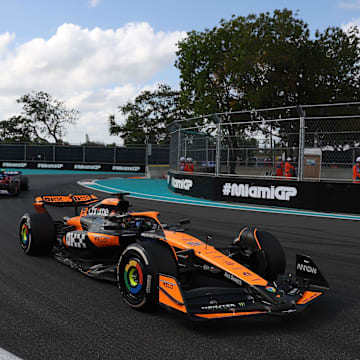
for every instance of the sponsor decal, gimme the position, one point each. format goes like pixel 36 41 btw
pixel 76 240
pixel 306 268
pixel 49 166
pixel 81 197
pixel 270 289
pixel 194 243
pixel 219 307
pixel 233 278
pixel 227 262
pixel 150 235
pixel 148 284
pixel 102 239
pixel 247 273
pixel 86 167
pixel 168 284
pixel 282 193
pixel 98 211
pixel 241 304
pixel 125 168
pixel 181 184
pixel 53 198
pixel 13 164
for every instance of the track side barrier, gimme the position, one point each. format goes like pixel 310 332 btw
pixel 80 166
pixel 316 196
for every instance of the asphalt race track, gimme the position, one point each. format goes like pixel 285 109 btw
pixel 49 311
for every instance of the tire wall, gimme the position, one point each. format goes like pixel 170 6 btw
pixel 317 196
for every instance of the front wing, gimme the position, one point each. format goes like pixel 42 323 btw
pixel 289 294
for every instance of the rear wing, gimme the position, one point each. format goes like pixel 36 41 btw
pixel 63 200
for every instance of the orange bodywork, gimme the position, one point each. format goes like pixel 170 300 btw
pixel 230 314
pixel 102 240
pixel 170 294
pixel 41 201
pixel 308 296
pixel 210 254
pixel 152 214
pixel 75 221
pixel 110 201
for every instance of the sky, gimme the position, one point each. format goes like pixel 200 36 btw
pixel 96 55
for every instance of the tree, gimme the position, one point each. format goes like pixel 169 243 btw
pixel 16 129
pixel 265 61
pixel 46 116
pixel 148 116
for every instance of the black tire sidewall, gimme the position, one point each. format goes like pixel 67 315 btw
pixel 42 233
pixel 147 298
pixel 156 258
pixel 24 183
pixel 274 255
pixel 14 188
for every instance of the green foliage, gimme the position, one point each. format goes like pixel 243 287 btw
pixel 47 116
pixel 17 129
pixel 266 61
pixel 148 116
pixel 42 117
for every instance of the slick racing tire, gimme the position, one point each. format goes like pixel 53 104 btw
pixel 138 270
pixel 24 183
pixel 14 188
pixel 37 233
pixel 265 253
pixel 274 255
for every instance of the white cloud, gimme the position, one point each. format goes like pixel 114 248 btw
pixel 351 24
pixel 5 40
pixel 93 70
pixel 350 5
pixel 94 3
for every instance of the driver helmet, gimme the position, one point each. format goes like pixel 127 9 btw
pixel 189 159
pixel 147 225
pixel 358 159
pixel 182 158
pixel 289 158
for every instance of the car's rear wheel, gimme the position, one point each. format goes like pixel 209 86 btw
pixel 24 183
pixel 138 270
pixel 37 233
pixel 14 188
pixel 263 252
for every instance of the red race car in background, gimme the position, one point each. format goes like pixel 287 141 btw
pixel 13 182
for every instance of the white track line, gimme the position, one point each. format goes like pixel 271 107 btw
pixel 5 355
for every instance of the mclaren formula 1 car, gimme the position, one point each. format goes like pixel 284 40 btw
pixel 13 182
pixel 155 263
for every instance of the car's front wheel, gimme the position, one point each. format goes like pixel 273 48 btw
pixel 138 270
pixel 261 251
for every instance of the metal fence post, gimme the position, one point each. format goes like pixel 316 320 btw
pixel 114 154
pixel 54 150
pixel 218 145
pixel 84 150
pixel 207 151
pixel 179 146
pixel 25 152
pixel 301 112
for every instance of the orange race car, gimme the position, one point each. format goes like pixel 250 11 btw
pixel 155 263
